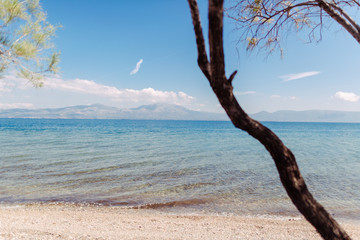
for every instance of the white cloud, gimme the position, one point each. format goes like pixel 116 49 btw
pixel 137 68
pixel 244 93
pixel 295 76
pixel 81 86
pixel 185 96
pixel 9 82
pixel 6 86
pixel 347 96
pixel 275 96
pixel 89 87
pixel 15 105
pixel 283 98
pixel 118 95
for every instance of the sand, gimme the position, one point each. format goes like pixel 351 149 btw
pixel 89 222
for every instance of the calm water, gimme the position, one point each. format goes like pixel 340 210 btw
pixel 175 165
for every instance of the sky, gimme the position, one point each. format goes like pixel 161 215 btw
pixel 130 53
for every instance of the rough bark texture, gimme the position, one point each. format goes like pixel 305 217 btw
pixel 285 161
pixel 341 17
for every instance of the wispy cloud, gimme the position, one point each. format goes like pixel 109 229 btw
pixel 275 96
pixel 283 98
pixel 6 86
pixel 295 76
pixel 244 93
pixel 137 68
pixel 15 105
pixel 347 96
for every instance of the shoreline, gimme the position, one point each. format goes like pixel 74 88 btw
pixel 60 221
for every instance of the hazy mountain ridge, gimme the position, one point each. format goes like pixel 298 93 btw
pixel 173 112
pixel 98 111
pixel 308 116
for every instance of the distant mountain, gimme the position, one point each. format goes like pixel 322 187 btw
pixel 308 116
pixel 173 112
pixel 98 111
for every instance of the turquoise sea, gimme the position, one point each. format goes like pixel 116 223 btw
pixel 187 166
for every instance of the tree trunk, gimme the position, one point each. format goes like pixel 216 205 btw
pixel 285 161
pixel 342 18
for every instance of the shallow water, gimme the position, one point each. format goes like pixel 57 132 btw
pixel 175 165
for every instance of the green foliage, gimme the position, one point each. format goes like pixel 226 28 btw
pixel 54 60
pixel 255 6
pixel 252 42
pixel 12 9
pixel 25 40
pixel 25 49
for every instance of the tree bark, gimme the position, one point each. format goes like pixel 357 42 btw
pixel 343 18
pixel 284 159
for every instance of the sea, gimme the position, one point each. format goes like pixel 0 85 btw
pixel 175 166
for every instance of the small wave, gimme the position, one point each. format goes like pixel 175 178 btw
pixel 171 204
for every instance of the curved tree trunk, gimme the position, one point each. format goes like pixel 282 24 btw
pixel 341 17
pixel 285 161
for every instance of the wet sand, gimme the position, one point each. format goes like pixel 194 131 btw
pixel 89 222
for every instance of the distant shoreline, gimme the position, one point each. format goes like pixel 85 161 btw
pixel 175 120
pixel 174 112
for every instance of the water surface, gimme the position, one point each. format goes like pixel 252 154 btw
pixel 175 165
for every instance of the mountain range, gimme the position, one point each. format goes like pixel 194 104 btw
pixel 173 112
pixel 98 111
pixel 308 116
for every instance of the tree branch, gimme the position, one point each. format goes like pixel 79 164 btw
pixel 342 12
pixel 232 76
pixel 200 42
pixel 333 14
pixel 356 2
pixel 284 159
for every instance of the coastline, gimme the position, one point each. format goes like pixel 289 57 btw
pixel 60 221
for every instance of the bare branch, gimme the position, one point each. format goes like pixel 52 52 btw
pixel 231 78
pixel 353 30
pixel 356 2
pixel 200 42
pixel 342 12
pixel 264 21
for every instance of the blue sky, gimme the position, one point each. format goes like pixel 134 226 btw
pixel 130 53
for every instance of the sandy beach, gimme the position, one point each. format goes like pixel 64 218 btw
pixel 89 222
